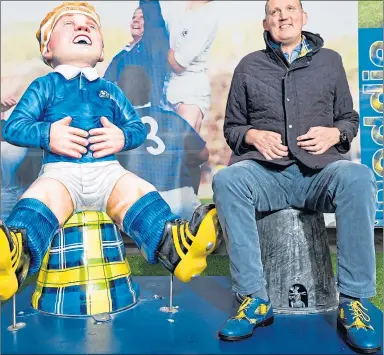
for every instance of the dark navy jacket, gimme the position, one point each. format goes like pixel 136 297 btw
pixel 52 97
pixel 268 93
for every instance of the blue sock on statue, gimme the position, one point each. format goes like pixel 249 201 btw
pixel 144 222
pixel 40 225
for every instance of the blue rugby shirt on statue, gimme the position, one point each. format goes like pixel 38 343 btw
pixel 170 152
pixel 80 94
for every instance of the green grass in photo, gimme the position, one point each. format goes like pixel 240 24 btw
pixel 370 14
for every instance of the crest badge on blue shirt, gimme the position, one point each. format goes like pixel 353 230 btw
pixel 104 94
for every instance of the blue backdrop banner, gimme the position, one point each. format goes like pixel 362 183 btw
pixel 371 107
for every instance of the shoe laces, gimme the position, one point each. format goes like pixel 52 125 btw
pixel 359 315
pixel 179 221
pixel 243 307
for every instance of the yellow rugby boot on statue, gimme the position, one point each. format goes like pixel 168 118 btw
pixel 184 247
pixel 14 261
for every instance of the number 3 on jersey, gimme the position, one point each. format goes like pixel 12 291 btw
pixel 152 136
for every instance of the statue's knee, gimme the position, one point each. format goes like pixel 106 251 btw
pixel 54 195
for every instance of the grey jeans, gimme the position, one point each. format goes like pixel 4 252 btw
pixel 343 187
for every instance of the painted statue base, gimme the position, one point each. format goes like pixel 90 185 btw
pixel 86 271
pixel 203 306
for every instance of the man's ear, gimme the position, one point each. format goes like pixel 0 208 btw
pixel 265 25
pixel 305 18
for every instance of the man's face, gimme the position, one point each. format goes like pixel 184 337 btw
pixel 137 24
pixel 76 40
pixel 285 20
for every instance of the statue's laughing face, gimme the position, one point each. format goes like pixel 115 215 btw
pixel 76 40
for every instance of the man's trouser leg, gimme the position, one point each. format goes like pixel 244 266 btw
pixel 239 191
pixel 349 190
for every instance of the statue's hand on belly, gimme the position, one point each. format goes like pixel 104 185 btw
pixel 106 140
pixel 67 140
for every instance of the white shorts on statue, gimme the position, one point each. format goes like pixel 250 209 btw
pixel 89 184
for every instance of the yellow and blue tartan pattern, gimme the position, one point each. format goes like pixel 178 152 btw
pixel 300 51
pixel 85 271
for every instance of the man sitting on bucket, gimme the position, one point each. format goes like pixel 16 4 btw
pixel 289 118
pixel 80 121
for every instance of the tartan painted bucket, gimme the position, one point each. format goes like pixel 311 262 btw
pixel 85 272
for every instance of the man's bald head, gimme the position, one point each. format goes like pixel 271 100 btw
pixel 267 2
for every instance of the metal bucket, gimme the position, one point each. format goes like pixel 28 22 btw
pixel 297 262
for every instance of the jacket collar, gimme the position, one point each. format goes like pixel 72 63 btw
pixel 69 72
pixel 300 51
pixel 314 40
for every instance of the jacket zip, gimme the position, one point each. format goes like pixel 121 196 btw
pixel 285 139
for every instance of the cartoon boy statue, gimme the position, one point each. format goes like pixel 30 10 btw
pixel 80 121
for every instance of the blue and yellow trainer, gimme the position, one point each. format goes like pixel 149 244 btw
pixel 14 261
pixel 253 312
pixel 184 247
pixel 353 322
